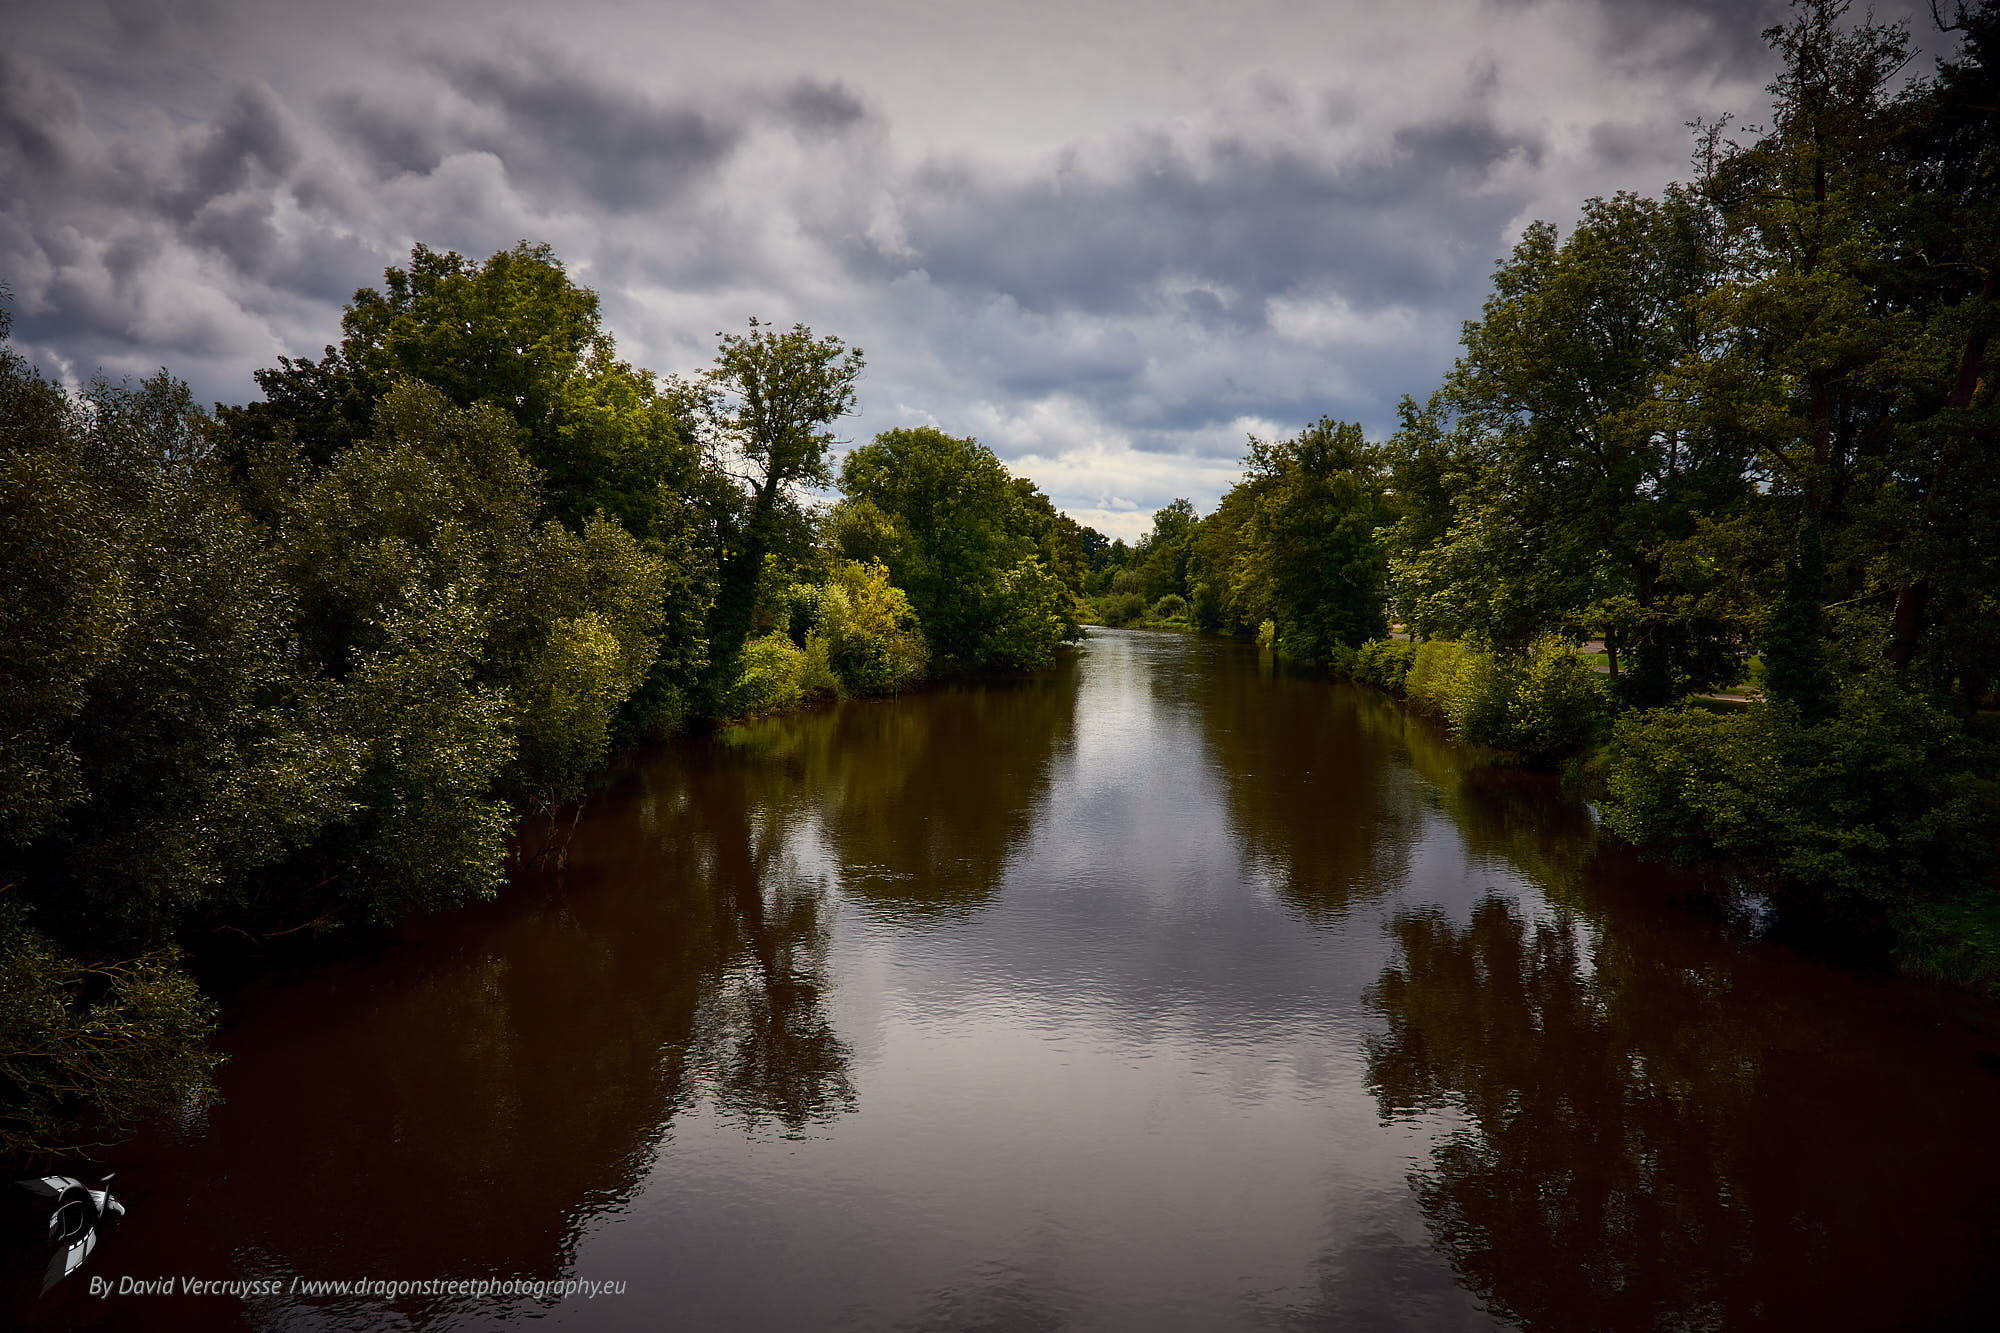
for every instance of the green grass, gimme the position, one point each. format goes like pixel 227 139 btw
pixel 1955 941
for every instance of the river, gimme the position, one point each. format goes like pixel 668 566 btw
pixel 1165 990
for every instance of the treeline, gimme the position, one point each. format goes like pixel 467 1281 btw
pixel 302 665
pixel 1741 434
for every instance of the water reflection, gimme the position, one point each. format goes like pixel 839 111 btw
pixel 922 801
pixel 1502 816
pixel 1641 1131
pixel 760 1044
pixel 1123 1075
pixel 1311 785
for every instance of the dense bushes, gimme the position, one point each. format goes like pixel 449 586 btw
pixel 989 566
pixel 1121 608
pixel 1887 800
pixel 1384 663
pixel 1545 705
pixel 862 627
pixel 90 1050
pixel 772 677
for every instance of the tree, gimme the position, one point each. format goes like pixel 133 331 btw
pixel 1816 325
pixel 513 332
pixel 1564 474
pixel 1310 553
pixel 1950 564
pixel 969 545
pixel 764 410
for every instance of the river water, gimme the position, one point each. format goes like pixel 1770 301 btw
pixel 1165 990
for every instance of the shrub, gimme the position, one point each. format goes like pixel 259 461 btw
pixel 1173 606
pixel 1433 675
pixel 1888 800
pixel 771 678
pixel 1122 608
pixel 1483 689
pixel 872 640
pixel 817 677
pixel 1544 706
pixel 1384 663
pixel 1031 619
pixel 1558 703
pixel 88 1051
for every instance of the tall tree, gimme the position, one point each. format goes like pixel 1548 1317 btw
pixel 1311 555
pixel 1814 207
pixel 1949 564
pixel 1572 484
pixel 764 410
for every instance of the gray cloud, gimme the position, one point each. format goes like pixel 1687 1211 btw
pixel 1110 269
pixel 1248 220
pixel 822 109
pixel 558 127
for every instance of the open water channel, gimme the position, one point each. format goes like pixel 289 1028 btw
pixel 1165 990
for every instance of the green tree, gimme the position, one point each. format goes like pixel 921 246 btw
pixel 1817 329
pixel 764 411
pixel 513 332
pixel 967 542
pixel 1564 474
pixel 516 334
pixel 1310 554
pixel 1948 564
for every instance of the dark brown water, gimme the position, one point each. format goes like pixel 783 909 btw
pixel 1161 992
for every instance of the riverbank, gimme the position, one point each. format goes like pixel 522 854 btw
pixel 1863 831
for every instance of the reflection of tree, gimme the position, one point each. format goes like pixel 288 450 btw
pixel 459 1106
pixel 1502 814
pixel 924 800
pixel 1655 1135
pixel 761 1043
pixel 1309 784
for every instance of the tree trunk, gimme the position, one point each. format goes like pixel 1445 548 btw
pixel 1914 594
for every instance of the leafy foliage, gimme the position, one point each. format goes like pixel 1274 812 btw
pixel 89 1051
pixel 1885 800
pixel 764 413
pixel 972 547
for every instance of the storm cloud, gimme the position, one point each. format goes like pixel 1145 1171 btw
pixel 1109 242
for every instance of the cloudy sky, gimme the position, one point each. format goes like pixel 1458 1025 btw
pixel 1108 238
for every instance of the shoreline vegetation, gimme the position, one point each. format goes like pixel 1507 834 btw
pixel 298 669
pixel 292 672
pixel 1740 439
